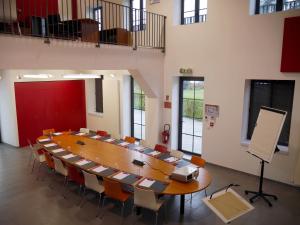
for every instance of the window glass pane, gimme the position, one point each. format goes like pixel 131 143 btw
pixel 197 145
pixel 187 142
pixel 143 120
pixel 267 6
pixel 199 89
pixel 291 4
pixel 188 108
pixel 203 4
pixel 198 109
pixel 137 116
pixel 137 131
pixel 187 125
pixel 198 127
pixel 188 89
pixel 143 133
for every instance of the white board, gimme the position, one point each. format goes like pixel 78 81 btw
pixel 266 133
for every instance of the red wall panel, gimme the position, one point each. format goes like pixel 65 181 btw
pixel 42 105
pixel 290 59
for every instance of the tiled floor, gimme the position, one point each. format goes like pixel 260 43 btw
pixel 25 200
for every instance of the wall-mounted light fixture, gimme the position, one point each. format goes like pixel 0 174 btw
pixel 81 76
pixel 35 76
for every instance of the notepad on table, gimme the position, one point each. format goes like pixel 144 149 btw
pixel 124 143
pixel 139 148
pixel 58 150
pixel 44 140
pixel 82 162
pixel 154 153
pixel 146 183
pixel 171 159
pixel 69 156
pixel 80 134
pixel 121 176
pixel 57 133
pixel 96 137
pixel 50 145
pixel 99 169
pixel 109 140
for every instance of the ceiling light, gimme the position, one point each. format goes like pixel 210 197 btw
pixel 112 75
pixel 81 76
pixel 37 76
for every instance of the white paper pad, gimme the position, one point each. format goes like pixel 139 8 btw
pixel 96 137
pixel 50 145
pixel 57 133
pixel 171 159
pixel 44 140
pixel 80 134
pixel 82 162
pixel 110 140
pixel 146 183
pixel 121 176
pixel 124 143
pixel 154 153
pixel 139 148
pixel 99 169
pixel 69 156
pixel 58 150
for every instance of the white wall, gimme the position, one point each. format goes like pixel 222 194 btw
pixel 229 48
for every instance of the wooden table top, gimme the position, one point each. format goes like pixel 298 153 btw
pixel 121 158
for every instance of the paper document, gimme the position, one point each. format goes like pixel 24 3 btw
pixel 57 133
pixel 154 153
pixel 50 145
pixel 121 176
pixel 171 159
pixel 80 134
pixel 139 148
pixel 146 183
pixel 99 169
pixel 124 143
pixel 82 162
pixel 69 156
pixel 44 140
pixel 96 137
pixel 110 140
pixel 58 150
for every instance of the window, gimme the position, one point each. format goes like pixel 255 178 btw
pixel 94 98
pixel 137 111
pixel 269 6
pixel 98 16
pixel 99 95
pixel 138 15
pixel 275 94
pixel 193 11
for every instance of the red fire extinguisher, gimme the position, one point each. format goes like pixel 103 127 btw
pixel 166 133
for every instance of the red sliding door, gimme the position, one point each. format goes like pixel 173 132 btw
pixel 42 105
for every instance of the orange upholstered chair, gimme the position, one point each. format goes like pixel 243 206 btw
pixel 49 160
pixel 130 140
pixel 102 133
pixel 113 189
pixel 48 132
pixel 74 174
pixel 198 161
pixel 160 148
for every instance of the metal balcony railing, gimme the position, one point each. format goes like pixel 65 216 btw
pixel 94 21
pixel 269 8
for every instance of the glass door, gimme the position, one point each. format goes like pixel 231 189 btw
pixel 191 96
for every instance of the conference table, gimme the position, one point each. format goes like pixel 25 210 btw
pixel 119 155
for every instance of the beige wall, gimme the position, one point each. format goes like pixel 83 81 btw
pixel 229 48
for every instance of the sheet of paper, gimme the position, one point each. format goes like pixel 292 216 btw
pixel 124 143
pixel 58 150
pixel 146 183
pixel 44 140
pixel 121 176
pixel 80 134
pixel 69 156
pixel 171 159
pixel 154 153
pixel 82 162
pixel 99 169
pixel 96 137
pixel 57 133
pixel 50 145
pixel 139 148
pixel 110 140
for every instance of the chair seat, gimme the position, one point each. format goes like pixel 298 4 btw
pixel 42 158
pixel 99 189
pixel 159 203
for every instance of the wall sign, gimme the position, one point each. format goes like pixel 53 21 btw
pixel 211 113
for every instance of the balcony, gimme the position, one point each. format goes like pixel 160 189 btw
pixel 90 21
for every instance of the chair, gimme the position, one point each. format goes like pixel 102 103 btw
pixel 160 148
pixel 102 133
pixel 32 147
pixel 113 190
pixel 75 174
pixel 39 158
pixel 91 182
pixel 60 169
pixel 48 132
pixel 130 140
pixel 84 130
pixel 49 160
pixel 198 161
pixel 147 199
pixel 176 154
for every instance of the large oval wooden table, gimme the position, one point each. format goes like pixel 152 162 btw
pixel 118 157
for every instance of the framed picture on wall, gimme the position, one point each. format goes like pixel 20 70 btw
pixel 154 1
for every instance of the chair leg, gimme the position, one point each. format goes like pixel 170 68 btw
pixel 65 188
pixel 191 198
pixel 122 210
pixel 30 158
pixel 205 192
pixel 32 166
pixel 81 203
pixel 39 169
pixel 156 217
pixel 99 204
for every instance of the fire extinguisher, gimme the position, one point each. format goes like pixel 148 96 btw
pixel 166 133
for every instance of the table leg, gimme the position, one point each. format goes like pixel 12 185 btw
pixel 182 203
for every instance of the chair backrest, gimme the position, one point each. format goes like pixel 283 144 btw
pixel 59 167
pixel 197 160
pixel 145 198
pixel 54 19
pixel 75 174
pixel 91 181
pixel 176 154
pixel 113 189
pixel 130 140
pixel 49 160
pixel 160 148
pixel 102 133
pixel 84 130
pixel 48 132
